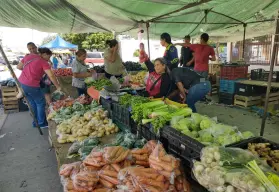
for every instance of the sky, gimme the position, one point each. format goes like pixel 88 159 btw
pixel 17 38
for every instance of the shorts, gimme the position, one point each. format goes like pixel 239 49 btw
pixel 46 89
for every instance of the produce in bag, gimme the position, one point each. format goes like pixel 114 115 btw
pixel 67 170
pixel 57 95
pixel 140 157
pixel 108 176
pixel 85 180
pixel 115 154
pixel 165 164
pixel 150 146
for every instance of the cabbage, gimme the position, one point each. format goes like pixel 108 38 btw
pixel 206 137
pixel 196 120
pixel 206 123
pixel 221 129
pixel 190 134
pixel 247 134
pixel 89 80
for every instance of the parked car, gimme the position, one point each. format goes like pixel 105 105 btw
pixel 94 58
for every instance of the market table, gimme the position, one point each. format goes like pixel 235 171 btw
pixel 259 83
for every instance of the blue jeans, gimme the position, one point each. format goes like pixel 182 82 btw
pixel 38 103
pixel 196 93
pixel 82 91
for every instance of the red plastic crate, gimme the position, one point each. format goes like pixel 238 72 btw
pixel 233 72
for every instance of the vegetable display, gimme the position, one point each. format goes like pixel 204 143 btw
pixel 92 123
pixel 63 72
pixel 132 66
pixel 119 169
pixel 264 151
pixel 138 78
pixel 225 170
pixel 98 84
pixel 208 131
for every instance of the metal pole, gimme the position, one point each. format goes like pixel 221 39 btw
pixel 20 88
pixel 243 45
pixel 147 30
pixel 272 62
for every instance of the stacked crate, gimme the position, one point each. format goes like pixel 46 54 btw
pixel 9 99
pixel 229 75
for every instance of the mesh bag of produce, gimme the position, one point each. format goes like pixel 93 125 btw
pixel 115 154
pixel 165 164
pixel 85 181
pixel 67 170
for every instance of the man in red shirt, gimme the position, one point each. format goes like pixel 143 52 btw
pixel 202 54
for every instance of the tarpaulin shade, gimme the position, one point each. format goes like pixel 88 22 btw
pixel 59 43
pixel 219 18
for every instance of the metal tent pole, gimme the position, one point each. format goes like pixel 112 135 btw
pixel 272 62
pixel 244 37
pixel 147 30
pixel 19 86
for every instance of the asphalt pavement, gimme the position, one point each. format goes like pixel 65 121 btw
pixel 27 163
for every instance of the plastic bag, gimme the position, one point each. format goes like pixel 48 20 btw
pixel 74 148
pixel 165 164
pixel 115 154
pixel 85 180
pixel 140 157
pixel 67 170
pixel 57 95
pixel 150 146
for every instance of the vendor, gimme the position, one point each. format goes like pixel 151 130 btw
pixel 170 55
pixel 192 83
pixel 159 81
pixel 113 61
pixel 80 71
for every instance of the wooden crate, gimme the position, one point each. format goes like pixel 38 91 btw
pixel 214 68
pixel 272 100
pixel 9 99
pixel 247 101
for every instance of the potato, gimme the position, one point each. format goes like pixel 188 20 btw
pixel 107 133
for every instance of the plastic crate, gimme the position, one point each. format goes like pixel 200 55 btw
pixel 146 132
pixel 106 103
pixel 244 144
pixel 249 90
pixel 262 75
pixel 232 72
pixel 226 98
pixel 227 86
pixel 122 114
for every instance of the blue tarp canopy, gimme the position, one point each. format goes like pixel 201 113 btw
pixel 59 43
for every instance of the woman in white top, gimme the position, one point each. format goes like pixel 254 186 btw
pixel 113 61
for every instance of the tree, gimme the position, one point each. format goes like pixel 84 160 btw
pixel 48 39
pixel 88 41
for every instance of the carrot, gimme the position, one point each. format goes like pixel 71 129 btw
pixel 165 166
pixel 106 183
pixel 165 173
pixel 160 178
pixel 96 154
pixel 109 179
pixel 158 168
pixel 116 167
pixel 101 190
pixel 140 157
pixel 152 182
pixel 122 156
pixel 106 167
pixel 109 173
pixel 167 158
pixel 142 163
pixel 151 189
pixel 139 151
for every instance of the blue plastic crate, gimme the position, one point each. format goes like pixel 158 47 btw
pixel 227 86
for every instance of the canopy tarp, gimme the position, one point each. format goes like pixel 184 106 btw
pixel 224 18
pixel 59 43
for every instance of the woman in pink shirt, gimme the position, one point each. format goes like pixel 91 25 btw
pixel 33 68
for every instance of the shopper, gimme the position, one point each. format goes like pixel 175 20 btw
pixel 202 54
pixel 33 68
pixel 80 72
pixel 186 57
pixel 159 79
pixel 113 61
pixel 191 83
pixel 170 54
pixel 55 62
pixel 142 54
